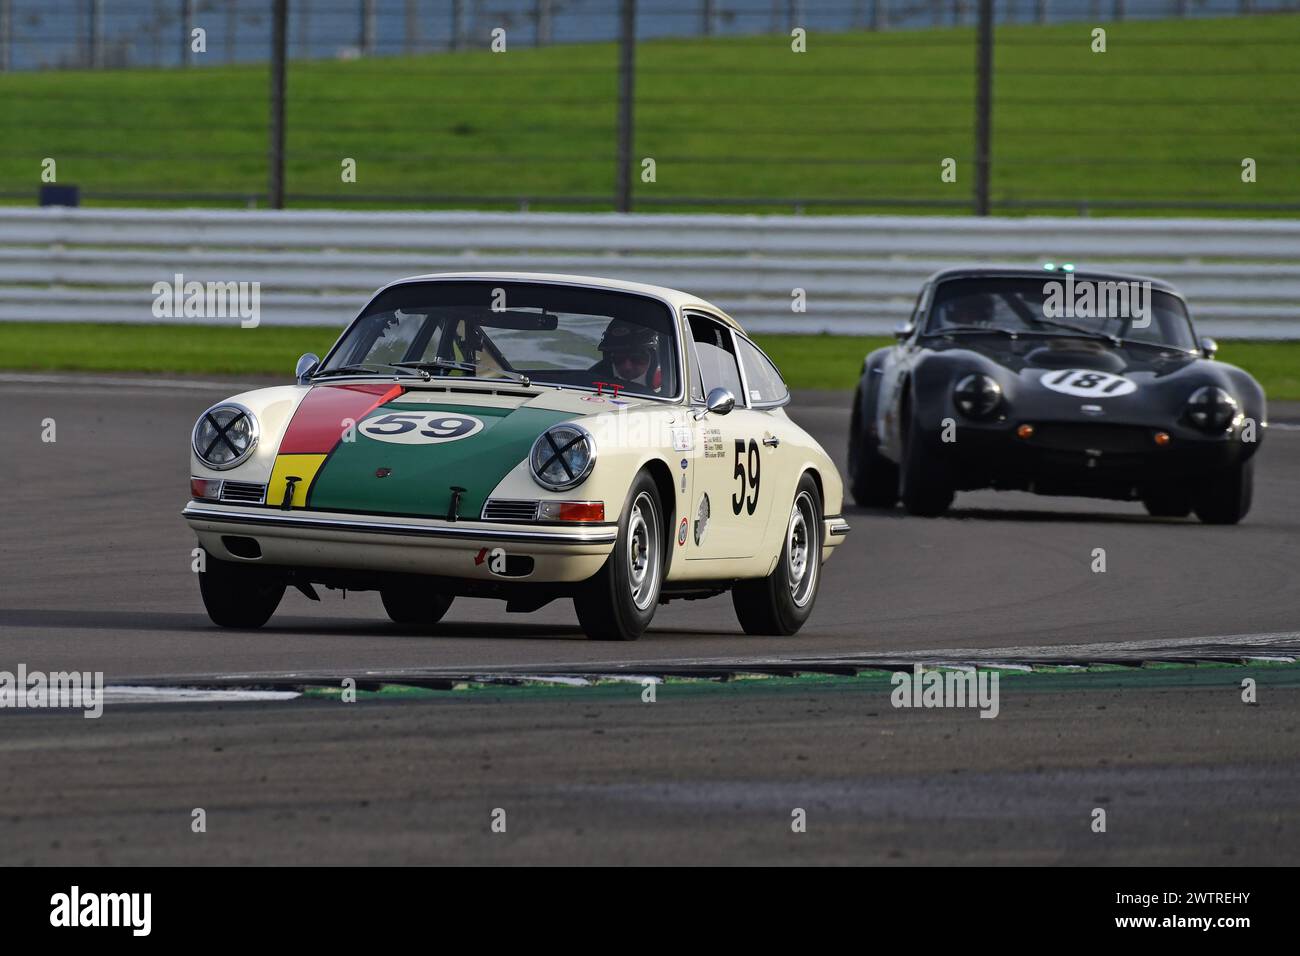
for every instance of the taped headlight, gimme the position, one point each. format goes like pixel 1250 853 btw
pixel 1211 409
pixel 225 435
pixel 562 457
pixel 977 396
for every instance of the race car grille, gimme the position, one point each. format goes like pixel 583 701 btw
pixel 246 492
pixel 1068 436
pixel 510 509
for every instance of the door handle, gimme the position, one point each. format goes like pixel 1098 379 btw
pixel 771 441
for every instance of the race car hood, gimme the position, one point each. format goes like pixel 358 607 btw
pixel 1072 379
pixel 382 448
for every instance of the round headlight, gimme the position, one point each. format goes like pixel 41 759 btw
pixel 977 395
pixel 225 435
pixel 562 457
pixel 1211 409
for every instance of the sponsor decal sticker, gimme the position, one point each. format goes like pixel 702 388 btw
pixel 713 443
pixel 681 533
pixel 682 439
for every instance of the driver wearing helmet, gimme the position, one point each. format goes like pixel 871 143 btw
pixel 976 309
pixel 629 353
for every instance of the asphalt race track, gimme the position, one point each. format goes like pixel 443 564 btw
pixel 95 575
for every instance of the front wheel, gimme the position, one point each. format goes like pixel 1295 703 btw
pixel 923 481
pixel 619 601
pixel 414 606
pixel 780 603
pixel 239 595
pixel 1226 497
pixel 873 480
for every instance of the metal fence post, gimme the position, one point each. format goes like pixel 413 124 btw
pixel 95 37
pixel 187 14
pixel 626 89
pixel 232 27
pixel 983 104
pixel 367 27
pixel 279 37
pixel 6 34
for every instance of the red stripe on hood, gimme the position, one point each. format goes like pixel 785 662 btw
pixel 317 425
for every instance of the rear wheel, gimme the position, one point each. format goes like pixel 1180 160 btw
pixel 873 479
pixel 923 480
pixel 239 595
pixel 1226 496
pixel 415 606
pixel 619 601
pixel 780 603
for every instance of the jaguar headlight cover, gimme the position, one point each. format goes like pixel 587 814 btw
pixel 562 457
pixel 1211 409
pixel 978 395
pixel 225 435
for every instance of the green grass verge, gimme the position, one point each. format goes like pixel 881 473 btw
pixel 807 361
pixel 1168 112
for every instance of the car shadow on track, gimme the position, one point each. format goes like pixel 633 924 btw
pixel 1025 515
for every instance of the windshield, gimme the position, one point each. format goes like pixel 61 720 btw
pixel 1130 310
pixel 551 334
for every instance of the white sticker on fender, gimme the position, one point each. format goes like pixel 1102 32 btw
pixel 420 428
pixel 1087 383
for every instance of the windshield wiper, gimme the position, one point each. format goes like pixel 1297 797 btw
pixel 1094 333
pixel 360 368
pixel 424 365
pixel 447 365
pixel 975 328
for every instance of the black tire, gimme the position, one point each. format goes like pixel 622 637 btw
pixel 873 479
pixel 923 482
pixel 780 603
pixel 415 606
pixel 1225 498
pixel 1168 503
pixel 239 595
pixel 619 601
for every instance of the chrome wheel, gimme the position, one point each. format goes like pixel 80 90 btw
pixel 802 549
pixel 643 552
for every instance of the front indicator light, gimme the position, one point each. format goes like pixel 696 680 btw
pixel 572 511
pixel 205 489
pixel 1025 431
pixel 1162 439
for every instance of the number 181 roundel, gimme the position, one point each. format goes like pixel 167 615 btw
pixel 1087 383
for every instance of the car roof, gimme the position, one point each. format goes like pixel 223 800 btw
pixel 1025 272
pixel 674 297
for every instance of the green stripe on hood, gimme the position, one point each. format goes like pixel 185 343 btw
pixel 420 476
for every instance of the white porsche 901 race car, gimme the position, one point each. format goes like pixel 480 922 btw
pixel 523 437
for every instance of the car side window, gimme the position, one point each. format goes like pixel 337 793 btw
pixel 766 387
pixel 716 358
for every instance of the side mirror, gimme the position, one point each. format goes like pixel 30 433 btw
pixel 720 401
pixel 904 331
pixel 1209 347
pixel 306 365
